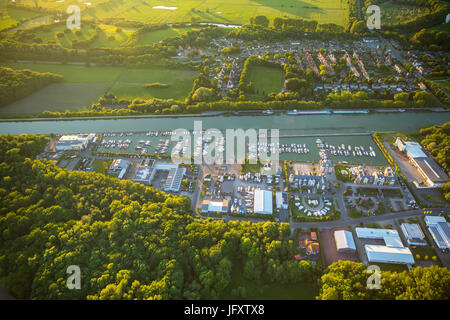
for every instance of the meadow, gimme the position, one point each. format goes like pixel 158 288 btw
pixel 131 84
pixel 9 17
pixel 82 86
pixel 266 80
pixel 392 12
pixel 158 35
pixel 231 11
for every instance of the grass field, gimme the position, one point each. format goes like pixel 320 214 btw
pixel 231 11
pixel 130 84
pixel 392 12
pixel 158 35
pixel 101 165
pixel 10 16
pixel 83 86
pixel 266 80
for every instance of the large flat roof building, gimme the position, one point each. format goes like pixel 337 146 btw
pixel 440 231
pixel 173 182
pixel 74 142
pixel 214 206
pixel 432 173
pixel 387 254
pixel 262 203
pixel 344 241
pixel 374 233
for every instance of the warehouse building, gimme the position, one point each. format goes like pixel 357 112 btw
pixel 413 234
pixel 432 173
pixel 74 142
pixel 262 202
pixel 214 206
pixel 388 254
pixel 440 231
pixel 344 241
pixel 392 252
pixel 173 182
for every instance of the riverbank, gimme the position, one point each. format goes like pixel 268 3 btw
pixel 28 118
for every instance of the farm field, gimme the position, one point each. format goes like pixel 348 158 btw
pixel 392 12
pixel 266 79
pixel 158 35
pixel 232 11
pixel 82 86
pixel 58 97
pixel 131 84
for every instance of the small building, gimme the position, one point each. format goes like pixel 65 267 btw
pixel 214 206
pixel 228 188
pixel 413 234
pixel 119 167
pixel 344 241
pixel 312 248
pixel 262 202
pixel 282 200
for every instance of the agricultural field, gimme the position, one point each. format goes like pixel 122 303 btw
pixel 266 80
pixel 392 12
pixel 82 86
pixel 131 84
pixel 158 35
pixel 232 11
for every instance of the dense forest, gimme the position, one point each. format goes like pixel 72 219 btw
pixel 17 84
pixel 130 241
pixel 346 280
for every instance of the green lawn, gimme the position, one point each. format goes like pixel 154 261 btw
pixel 247 167
pixel 101 165
pixel 266 80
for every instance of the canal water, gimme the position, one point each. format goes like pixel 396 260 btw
pixel 298 129
pixel 287 124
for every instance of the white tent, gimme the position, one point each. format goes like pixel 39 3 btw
pixel 344 241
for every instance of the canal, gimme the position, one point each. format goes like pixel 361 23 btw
pixel 287 124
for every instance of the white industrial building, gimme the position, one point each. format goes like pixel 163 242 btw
pixel 413 234
pixel 344 241
pixel 74 142
pixel 373 233
pixel 392 252
pixel 440 231
pixel 146 174
pixel 214 206
pixel 262 202
pixel 387 254
pixel 432 173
